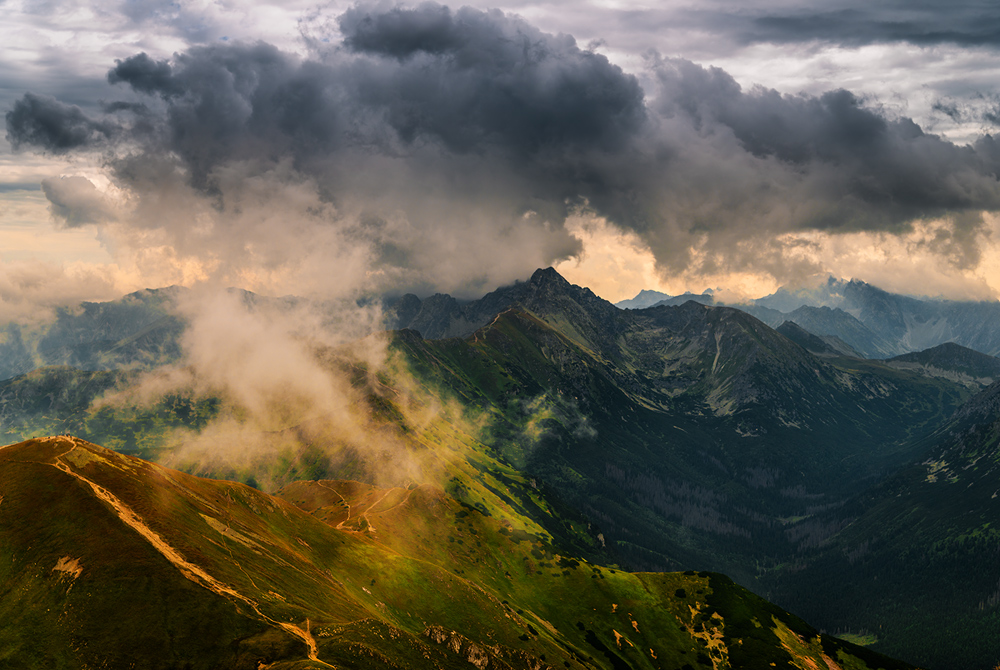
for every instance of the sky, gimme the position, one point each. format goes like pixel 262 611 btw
pixel 345 150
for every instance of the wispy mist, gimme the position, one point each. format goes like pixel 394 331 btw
pixel 302 390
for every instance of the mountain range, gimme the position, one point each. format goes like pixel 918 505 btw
pixel 143 329
pixel 685 437
pixel 873 322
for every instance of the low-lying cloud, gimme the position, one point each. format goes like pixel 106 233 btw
pixel 298 394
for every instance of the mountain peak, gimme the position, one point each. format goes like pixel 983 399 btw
pixel 546 275
pixel 643 299
pixel 954 358
pixel 575 311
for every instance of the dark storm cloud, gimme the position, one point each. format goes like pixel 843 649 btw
pixel 925 23
pixel 48 124
pixel 469 136
pixel 402 33
pixel 144 75
pixel 879 171
pixel 229 103
pixel 482 77
pixel 525 115
pixel 467 81
pixel 479 130
pixel 136 108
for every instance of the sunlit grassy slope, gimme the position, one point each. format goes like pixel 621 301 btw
pixel 61 399
pixel 110 561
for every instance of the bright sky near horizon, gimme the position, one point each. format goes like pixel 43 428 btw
pixel 339 148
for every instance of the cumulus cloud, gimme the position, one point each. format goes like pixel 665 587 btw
pixel 402 33
pixel 852 167
pixel 43 122
pixel 76 201
pixel 444 150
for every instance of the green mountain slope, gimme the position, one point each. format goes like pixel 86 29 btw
pixel 140 330
pixel 916 566
pixel 701 438
pixel 951 361
pixel 56 400
pixel 835 322
pixel 111 561
pixel 825 345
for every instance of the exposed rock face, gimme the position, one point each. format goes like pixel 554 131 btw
pixel 545 294
pixel 480 656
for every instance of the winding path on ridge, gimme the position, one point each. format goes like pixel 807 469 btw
pixel 191 571
pixel 364 514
